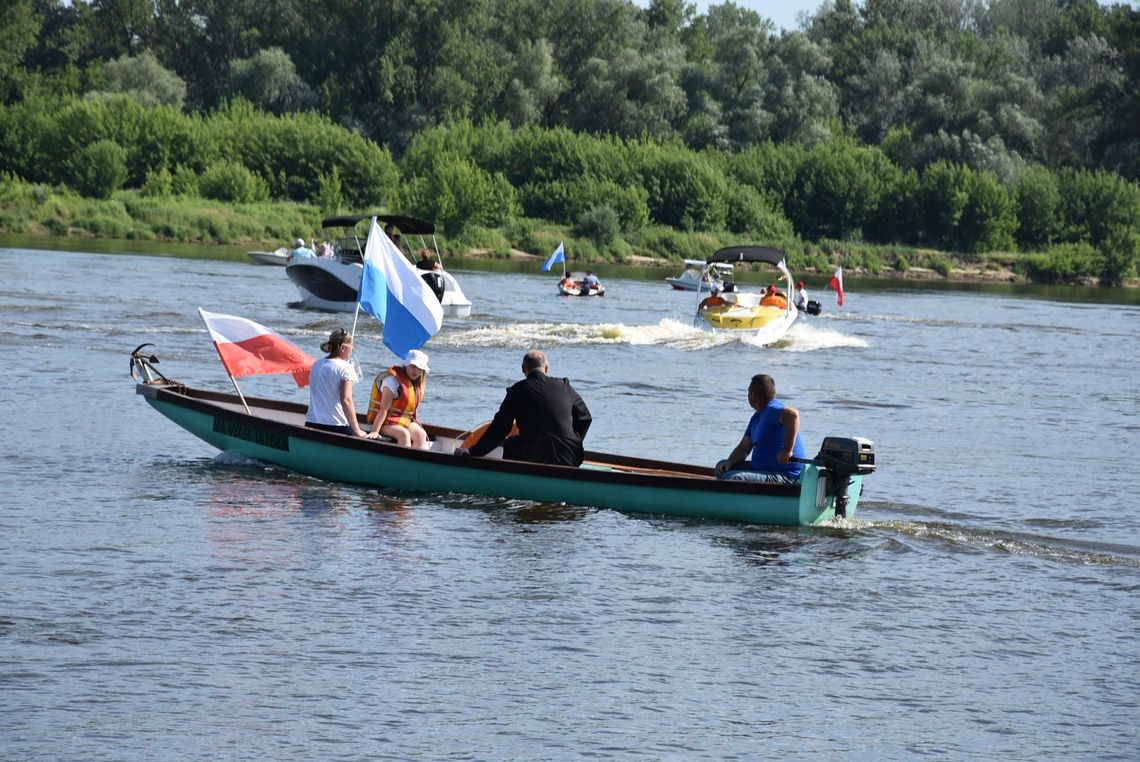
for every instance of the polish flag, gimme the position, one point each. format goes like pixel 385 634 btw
pixel 836 283
pixel 250 349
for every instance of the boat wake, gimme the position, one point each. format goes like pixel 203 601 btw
pixel 943 529
pixel 669 332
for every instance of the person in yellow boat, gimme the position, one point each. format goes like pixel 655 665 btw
pixel 713 300
pixel 774 298
pixel 396 396
pixel 772 437
pixel 552 419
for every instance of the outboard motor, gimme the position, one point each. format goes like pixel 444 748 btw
pixel 843 458
pixel 435 283
pixel 813 307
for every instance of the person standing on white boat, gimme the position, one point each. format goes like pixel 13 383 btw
pixel 772 438
pixel 396 396
pixel 801 299
pixel 330 388
pixel 301 251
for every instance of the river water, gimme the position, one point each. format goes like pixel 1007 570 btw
pixel 161 600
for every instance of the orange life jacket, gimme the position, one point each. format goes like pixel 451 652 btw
pixel 403 408
pixel 775 300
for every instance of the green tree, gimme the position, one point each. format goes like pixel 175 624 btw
pixel 941 200
pixel 98 169
pixel 143 78
pixel 1037 196
pixel 989 218
pixel 269 80
pixel 21 25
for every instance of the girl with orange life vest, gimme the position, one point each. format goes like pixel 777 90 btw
pixel 396 395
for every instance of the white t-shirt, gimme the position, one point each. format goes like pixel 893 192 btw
pixel 324 391
pixel 391 384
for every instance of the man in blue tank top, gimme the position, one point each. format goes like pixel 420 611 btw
pixel 772 438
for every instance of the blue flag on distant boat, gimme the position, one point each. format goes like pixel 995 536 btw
pixel 392 291
pixel 559 255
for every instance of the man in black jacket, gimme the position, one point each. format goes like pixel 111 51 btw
pixel 552 419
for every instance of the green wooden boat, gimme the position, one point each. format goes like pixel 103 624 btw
pixel 274 432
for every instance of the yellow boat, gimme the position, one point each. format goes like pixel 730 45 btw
pixel 739 311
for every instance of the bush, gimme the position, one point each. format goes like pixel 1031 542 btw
pixel 230 181
pixel 99 169
pixel 1120 254
pixel 902 265
pixel 941 265
pixel 1064 262
pixel 56 226
pixel 520 232
pixel 600 225
pixel 330 195
pixel 184 182
pixel 455 194
pixel 159 183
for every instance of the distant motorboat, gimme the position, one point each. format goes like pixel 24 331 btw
pixel 279 258
pixel 696 277
pixel 332 283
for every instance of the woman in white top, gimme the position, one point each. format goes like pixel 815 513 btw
pixel 330 388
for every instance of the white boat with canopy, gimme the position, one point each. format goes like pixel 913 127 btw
pixel 332 283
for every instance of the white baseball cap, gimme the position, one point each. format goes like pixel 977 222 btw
pixel 417 358
pixel 298 243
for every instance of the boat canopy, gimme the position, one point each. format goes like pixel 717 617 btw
pixel 406 225
pixel 747 254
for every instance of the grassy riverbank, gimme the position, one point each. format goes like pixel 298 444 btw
pixel 39 212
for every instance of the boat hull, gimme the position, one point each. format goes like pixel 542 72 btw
pixel 278 258
pixel 326 284
pixel 274 432
pixel 596 291
pixel 768 324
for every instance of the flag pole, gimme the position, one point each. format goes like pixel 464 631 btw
pixel 232 379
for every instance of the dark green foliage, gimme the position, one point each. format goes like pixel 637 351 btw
pixel 1038 196
pixel 600 224
pixel 990 217
pixel 456 194
pixel 837 189
pixel 751 213
pixel 1120 254
pixel 99 169
pixel 1063 263
pixel 158 183
pixel 292 153
pixel 230 181
pixel 685 191
pixel 941 200
pixel 56 226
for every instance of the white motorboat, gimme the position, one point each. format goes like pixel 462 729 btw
pixel 698 277
pixel 280 257
pixel 332 283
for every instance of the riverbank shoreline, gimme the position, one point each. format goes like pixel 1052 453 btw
pixel 983 273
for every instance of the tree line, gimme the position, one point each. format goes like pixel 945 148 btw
pixel 968 126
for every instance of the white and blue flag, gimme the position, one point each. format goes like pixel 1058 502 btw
pixel 559 255
pixel 392 291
